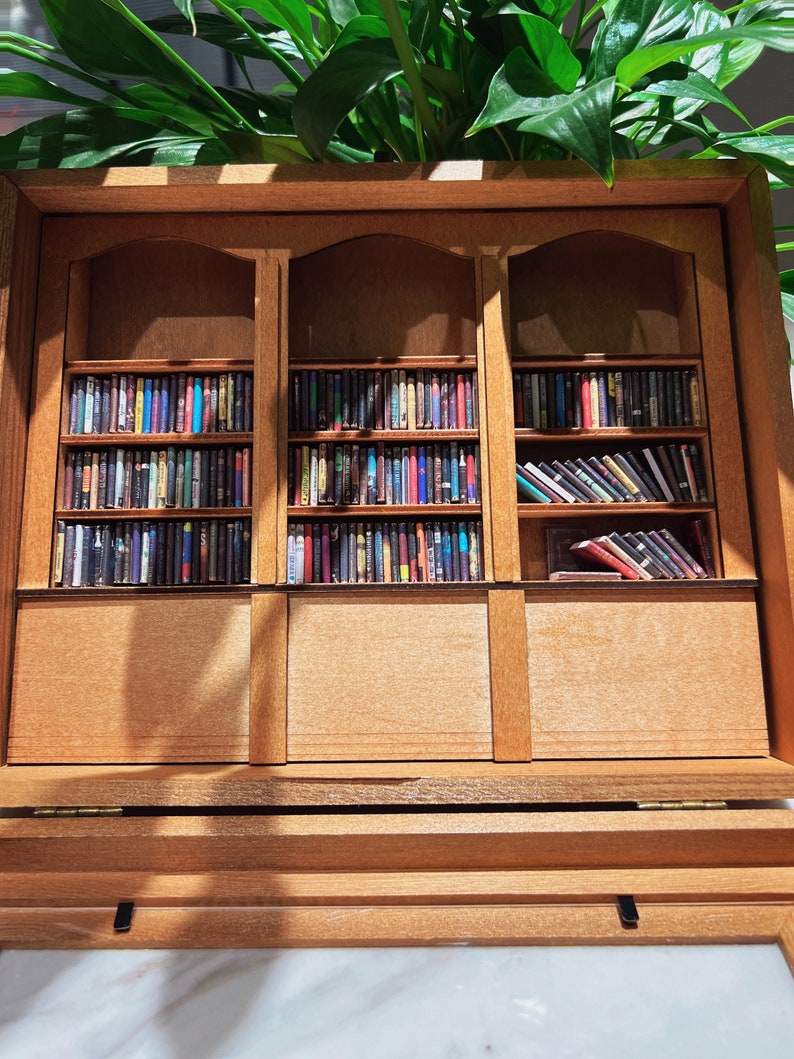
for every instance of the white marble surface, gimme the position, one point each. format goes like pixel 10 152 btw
pixel 731 1002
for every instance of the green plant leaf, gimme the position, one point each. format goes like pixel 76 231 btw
pixel 551 52
pixel 778 35
pixel 636 24
pixel 774 153
pixel 186 7
pixel 79 139
pixel 98 38
pixel 519 89
pixel 292 15
pixel 787 292
pixel 693 88
pixel 337 86
pixel 362 27
pixel 22 84
pixel 581 124
pixel 215 29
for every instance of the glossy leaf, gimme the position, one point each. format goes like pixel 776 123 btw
pixel 83 138
pixel 518 90
pixel 339 84
pixel 774 153
pixel 787 292
pixel 636 24
pixel 775 35
pixel 23 84
pixel 215 29
pixel 581 124
pixel 291 15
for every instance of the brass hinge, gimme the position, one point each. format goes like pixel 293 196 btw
pixel 683 805
pixel 78 810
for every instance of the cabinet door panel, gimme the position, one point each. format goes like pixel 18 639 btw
pixel 139 680
pixel 387 680
pixel 645 679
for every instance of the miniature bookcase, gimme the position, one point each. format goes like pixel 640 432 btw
pixel 391 485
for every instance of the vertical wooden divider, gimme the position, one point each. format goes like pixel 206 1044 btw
pixel 20 230
pixel 509 660
pixel 45 418
pixel 269 610
pixel 500 425
pixel 267 738
pixel 267 425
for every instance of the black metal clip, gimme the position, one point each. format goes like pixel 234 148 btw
pixel 627 910
pixel 123 920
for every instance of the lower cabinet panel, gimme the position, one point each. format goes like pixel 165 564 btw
pixel 375 679
pixel 636 679
pixel 160 679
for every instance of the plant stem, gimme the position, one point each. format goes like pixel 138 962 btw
pixel 79 75
pixel 269 53
pixel 425 119
pixel 185 67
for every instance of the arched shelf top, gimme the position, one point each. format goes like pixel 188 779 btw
pixel 382 297
pixel 170 299
pixel 605 292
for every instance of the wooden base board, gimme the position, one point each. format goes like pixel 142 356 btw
pixel 267 927
pixel 383 784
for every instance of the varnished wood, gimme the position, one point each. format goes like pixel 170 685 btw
pixel 19 239
pixel 375 783
pixel 169 299
pixel 131 680
pixel 381 297
pixel 594 291
pixel 356 679
pixel 785 939
pixel 510 703
pixel 436 841
pixel 268 724
pixel 265 927
pixel 589 670
pixel 767 424
pixel 411 186
pixel 497 385
pixel 474 643
pixel 91 888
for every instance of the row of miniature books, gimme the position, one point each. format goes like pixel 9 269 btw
pixel 103 555
pixel 574 554
pixel 670 473
pixel 374 399
pixel 384 474
pixel 384 552
pixel 180 403
pixel 590 399
pixel 119 478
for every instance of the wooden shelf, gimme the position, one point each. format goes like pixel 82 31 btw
pixel 569 435
pixel 151 514
pixel 387 512
pixel 604 361
pixel 408 363
pixel 152 366
pixel 431 437
pixel 628 507
pixel 143 441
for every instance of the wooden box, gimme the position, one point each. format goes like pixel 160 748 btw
pixel 282 657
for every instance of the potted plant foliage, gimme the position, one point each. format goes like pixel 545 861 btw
pixel 365 80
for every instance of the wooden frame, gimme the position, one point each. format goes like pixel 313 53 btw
pixel 270 218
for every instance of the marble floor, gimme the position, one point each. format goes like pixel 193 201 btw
pixel 731 1002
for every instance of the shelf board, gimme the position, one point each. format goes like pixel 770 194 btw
pixel 435 437
pixel 335 364
pixel 628 507
pixel 572 434
pixel 606 361
pixel 387 512
pixel 156 367
pixel 129 440
pixel 151 514
pixel 124 591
